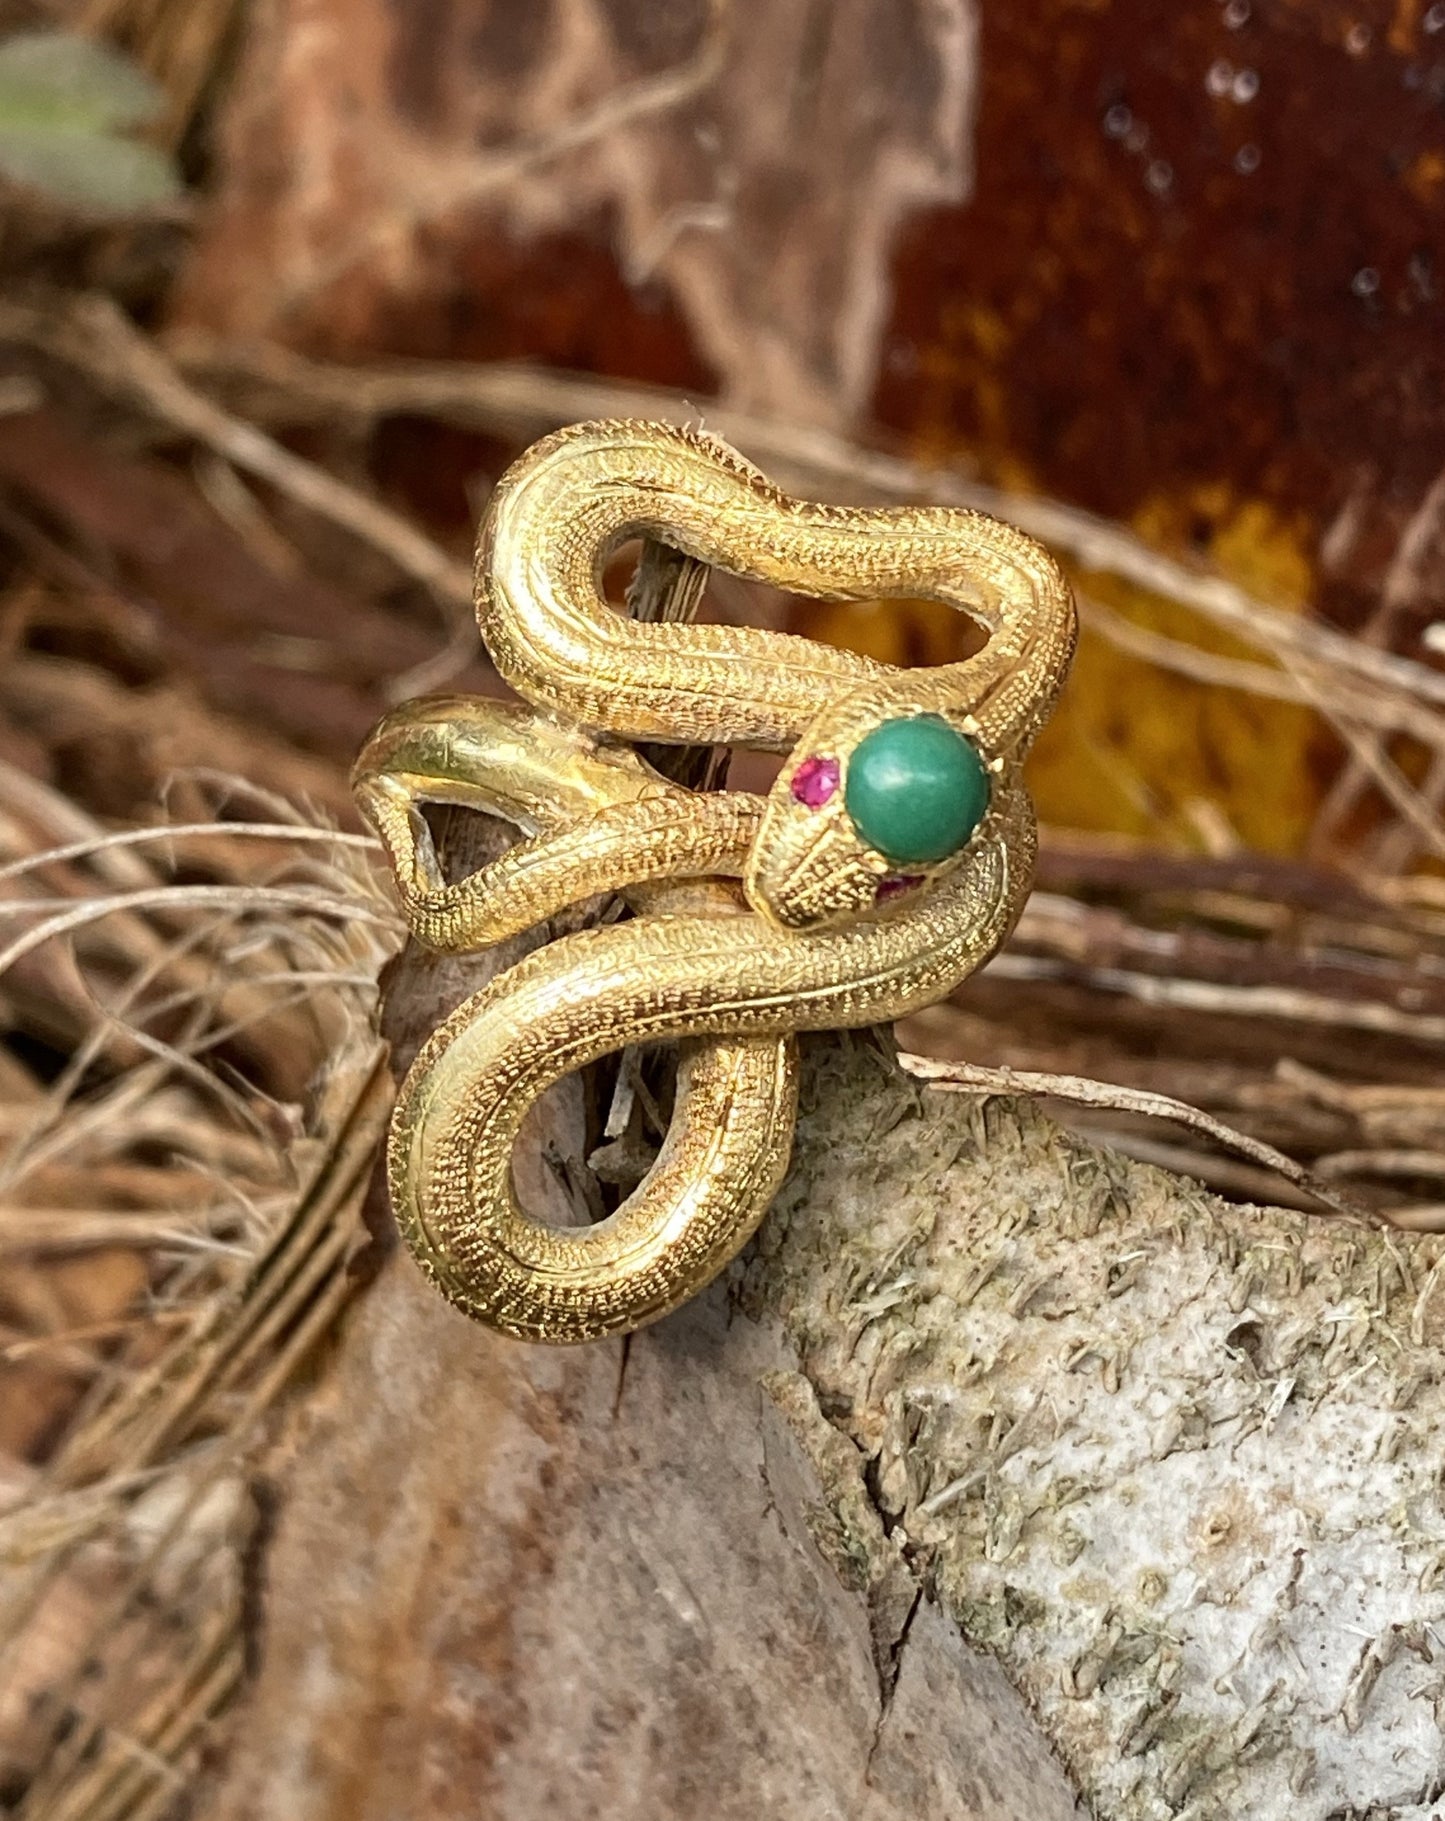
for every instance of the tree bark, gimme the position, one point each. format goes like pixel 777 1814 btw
pixel 986 1422
pixel 637 1579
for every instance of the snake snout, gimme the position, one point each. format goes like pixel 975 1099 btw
pixel 807 885
pixel 785 910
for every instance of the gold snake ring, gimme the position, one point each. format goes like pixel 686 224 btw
pixel 889 860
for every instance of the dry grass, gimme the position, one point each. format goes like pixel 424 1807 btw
pixel 179 1208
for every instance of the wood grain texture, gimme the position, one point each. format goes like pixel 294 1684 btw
pixel 752 169
pixel 1003 1413
pixel 511 1582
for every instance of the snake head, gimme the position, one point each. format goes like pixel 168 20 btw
pixel 883 794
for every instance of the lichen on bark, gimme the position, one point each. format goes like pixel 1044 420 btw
pixel 1175 1463
pixel 1013 1472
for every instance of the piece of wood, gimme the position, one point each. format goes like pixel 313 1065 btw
pixel 1020 1449
pixel 1173 1465
pixel 636 1524
pixel 1023 1458
pixel 512 1581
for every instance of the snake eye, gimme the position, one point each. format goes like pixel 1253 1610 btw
pixel 916 789
pixel 896 885
pixel 815 781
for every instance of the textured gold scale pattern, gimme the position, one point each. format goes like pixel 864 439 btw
pixel 753 918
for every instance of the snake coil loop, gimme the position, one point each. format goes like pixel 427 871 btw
pixel 890 859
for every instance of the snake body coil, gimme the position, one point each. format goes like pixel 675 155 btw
pixel 755 917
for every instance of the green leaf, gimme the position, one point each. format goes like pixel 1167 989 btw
pixel 89 170
pixel 64 82
pixel 62 99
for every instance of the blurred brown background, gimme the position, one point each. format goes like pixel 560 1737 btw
pixel 1175 266
pixel 1179 266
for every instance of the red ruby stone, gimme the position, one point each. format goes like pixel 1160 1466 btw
pixel 894 888
pixel 815 781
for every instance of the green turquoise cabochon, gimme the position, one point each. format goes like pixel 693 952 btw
pixel 916 789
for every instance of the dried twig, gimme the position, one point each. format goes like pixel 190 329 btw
pixel 968 1077
pixel 521 401
pixel 171 898
pixel 1354 685
pixel 91 334
pixel 1387 710
pixel 169 834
